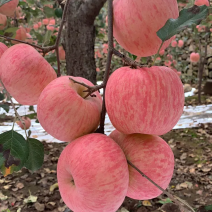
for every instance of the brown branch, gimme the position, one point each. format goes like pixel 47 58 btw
pixel 201 66
pixel 90 89
pixel 127 60
pixel 13 105
pixel 13 39
pixel 173 198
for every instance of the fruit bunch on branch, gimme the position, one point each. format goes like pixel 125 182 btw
pixel 95 172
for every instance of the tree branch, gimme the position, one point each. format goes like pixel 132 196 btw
pixel 89 9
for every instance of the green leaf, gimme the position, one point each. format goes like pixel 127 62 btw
pixel 11 32
pixel 2 2
pixel 208 208
pixel 132 56
pixel 13 150
pixel 32 115
pixel 36 154
pixel 47 37
pixel 5 107
pixel 58 12
pixel 2 96
pixel 49 12
pixel 186 18
pixel 165 201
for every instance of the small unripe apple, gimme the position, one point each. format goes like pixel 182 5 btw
pixel 180 43
pixel 153 156
pixel 9 8
pixel 29 73
pixel 3 48
pixel 3 21
pixel 194 57
pixel 27 122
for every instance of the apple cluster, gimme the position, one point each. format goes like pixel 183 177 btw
pixel 143 103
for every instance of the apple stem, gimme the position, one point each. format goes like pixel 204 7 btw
pixel 129 61
pixel 175 199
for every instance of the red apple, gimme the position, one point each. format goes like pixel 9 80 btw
pixel 153 156
pixel 161 53
pixel 25 73
pixel 29 38
pixel 35 26
pixel 174 43
pixel 92 174
pixel 9 8
pixel 20 35
pixel 201 2
pixel 62 54
pixel 50 27
pixel 180 43
pixel 27 122
pixel 144 100
pixel 45 21
pixel 3 48
pixel 64 113
pixel 3 21
pixel 194 57
pixel 136 23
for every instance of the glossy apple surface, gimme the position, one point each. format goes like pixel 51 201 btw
pixel 92 174
pixel 64 113
pixel 136 23
pixel 153 156
pixel 25 73
pixel 144 100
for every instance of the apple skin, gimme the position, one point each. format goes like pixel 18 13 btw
pixel 144 100
pixel 180 43
pixel 92 174
pixel 27 122
pixel 9 8
pixel 20 35
pixel 194 57
pixel 62 54
pixel 136 31
pixel 64 113
pixel 3 48
pixel 174 43
pixel 201 2
pixel 29 73
pixel 153 156
pixel 3 21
